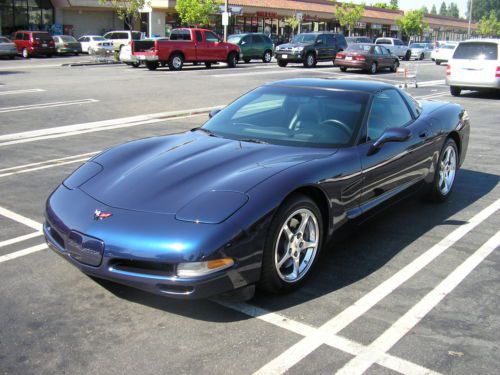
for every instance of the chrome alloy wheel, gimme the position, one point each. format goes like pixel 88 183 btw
pixel 268 57
pixel 297 245
pixel 177 62
pixel 447 170
pixel 310 60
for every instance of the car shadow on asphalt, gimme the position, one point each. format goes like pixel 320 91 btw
pixel 352 256
pixel 484 94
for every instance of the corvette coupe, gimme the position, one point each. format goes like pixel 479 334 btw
pixel 252 196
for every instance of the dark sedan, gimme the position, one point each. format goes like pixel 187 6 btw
pixel 252 197
pixel 369 57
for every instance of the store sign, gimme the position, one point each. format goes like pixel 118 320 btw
pixel 267 14
pixel 394 28
pixel 299 16
pixel 307 17
pixel 360 25
pixel 376 26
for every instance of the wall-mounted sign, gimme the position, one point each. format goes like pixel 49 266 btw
pixel 360 25
pixel 308 17
pixel 267 14
pixel 299 16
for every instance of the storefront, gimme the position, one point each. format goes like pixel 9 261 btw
pixel 25 15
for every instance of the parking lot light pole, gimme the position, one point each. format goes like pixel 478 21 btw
pixel 225 25
pixel 470 19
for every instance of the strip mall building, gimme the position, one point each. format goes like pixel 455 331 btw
pixel 78 17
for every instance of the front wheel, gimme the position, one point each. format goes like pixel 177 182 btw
pixel 455 90
pixel 373 68
pixel 268 55
pixel 176 62
pixel 446 168
pixel 421 56
pixel 232 60
pixel 343 69
pixel 152 65
pixel 438 62
pixel 310 60
pixel 135 64
pixel 395 66
pixel 408 55
pixel 292 246
pixel 208 65
pixel 282 63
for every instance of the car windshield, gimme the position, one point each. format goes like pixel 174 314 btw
pixel 304 38
pixel 293 116
pixel 417 45
pixel 44 37
pixel 98 38
pixel 476 51
pixel 359 47
pixel 234 39
pixel 363 40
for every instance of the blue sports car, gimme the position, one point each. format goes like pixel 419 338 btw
pixel 252 196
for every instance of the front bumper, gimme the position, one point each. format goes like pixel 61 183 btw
pixel 289 56
pixel 142 250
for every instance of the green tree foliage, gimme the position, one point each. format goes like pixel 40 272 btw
pixel 196 12
pixel 381 5
pixel 127 10
pixel 348 14
pixel 443 10
pixel 424 10
pixel 293 22
pixel 412 23
pixel 434 10
pixel 489 26
pixel 482 8
pixel 394 4
pixel 453 10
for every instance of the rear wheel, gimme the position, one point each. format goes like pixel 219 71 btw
pixel 395 66
pixel 446 168
pixel 282 63
pixel 343 69
pixel 232 60
pixel 208 65
pixel 292 246
pixel 268 55
pixel 438 62
pixel 408 55
pixel 421 56
pixel 176 62
pixel 310 60
pixel 455 90
pixel 373 68
pixel 152 65
pixel 25 53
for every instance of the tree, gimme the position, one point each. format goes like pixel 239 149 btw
pixel 443 10
pixel 481 8
pixel 349 14
pixel 394 4
pixel 433 10
pixel 489 26
pixel 380 5
pixel 412 23
pixel 453 10
pixel 293 22
pixel 196 12
pixel 424 10
pixel 127 10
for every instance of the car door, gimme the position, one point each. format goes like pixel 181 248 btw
pixel 257 46
pixel 378 56
pixel 395 165
pixel 331 45
pixel 320 46
pixel 214 52
pixel 84 43
pixel 387 57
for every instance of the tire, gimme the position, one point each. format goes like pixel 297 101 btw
pixel 232 60
pixel 162 64
pixel 246 60
pixel 455 90
pixel 310 60
pixel 12 57
pixel 77 53
pixel 438 62
pixel 25 53
pixel 135 64
pixel 444 177
pixel 152 65
pixel 267 57
pixel 90 51
pixel 293 250
pixel 176 62
pixel 421 57
pixel 373 68
pixel 343 69
pixel 208 65
pixel 395 66
pixel 49 55
pixel 408 55
pixel 282 63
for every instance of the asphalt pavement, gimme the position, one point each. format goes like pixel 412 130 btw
pixel 412 291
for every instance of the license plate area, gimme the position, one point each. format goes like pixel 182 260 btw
pixel 348 58
pixel 85 249
pixel 284 56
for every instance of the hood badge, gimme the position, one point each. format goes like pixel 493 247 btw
pixel 99 215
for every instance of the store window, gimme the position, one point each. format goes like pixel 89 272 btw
pixel 25 15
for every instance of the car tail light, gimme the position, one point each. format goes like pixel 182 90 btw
pixel 51 42
pixel 497 75
pixel 339 56
pixel 359 58
pixel 36 42
pixel 448 69
pixel 65 45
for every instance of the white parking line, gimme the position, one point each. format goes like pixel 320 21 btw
pixel 389 361
pixel 21 253
pixel 14 92
pixel 408 321
pixel 297 352
pixel 19 239
pixel 22 66
pixel 88 154
pixel 47 105
pixel 257 73
pixel 20 219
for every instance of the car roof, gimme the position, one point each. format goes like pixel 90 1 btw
pixel 336 84
pixel 481 40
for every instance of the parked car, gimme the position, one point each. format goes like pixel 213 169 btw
pixel 358 39
pixel 31 43
pixel 396 46
pixel 443 53
pixel 309 48
pixel 186 45
pixel 126 56
pixel 421 51
pixel 474 66
pixel 369 57
pixel 253 46
pixel 7 48
pixel 123 37
pixel 67 44
pixel 95 44
pixel 256 193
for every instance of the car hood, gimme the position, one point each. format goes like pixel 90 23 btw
pixel 164 174
pixel 293 45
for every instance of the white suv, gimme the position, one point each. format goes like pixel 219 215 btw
pixel 396 46
pixel 474 66
pixel 122 38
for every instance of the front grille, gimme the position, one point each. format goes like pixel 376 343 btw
pixel 143 267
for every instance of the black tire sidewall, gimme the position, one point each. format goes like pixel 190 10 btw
pixel 270 279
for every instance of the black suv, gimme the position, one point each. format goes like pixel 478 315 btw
pixel 310 48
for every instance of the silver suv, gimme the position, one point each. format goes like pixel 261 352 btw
pixel 122 38
pixel 396 46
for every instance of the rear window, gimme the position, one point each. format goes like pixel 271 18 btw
pixel 476 51
pixel 359 47
pixel 42 36
pixel 383 41
pixel 234 39
pixel 180 35
pixel 98 38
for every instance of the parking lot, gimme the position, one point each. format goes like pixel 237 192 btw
pixel 413 291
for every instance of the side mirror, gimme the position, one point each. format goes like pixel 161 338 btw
pixel 213 112
pixel 390 135
pixel 319 42
pixel 243 43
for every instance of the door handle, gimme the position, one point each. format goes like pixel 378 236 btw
pixel 424 134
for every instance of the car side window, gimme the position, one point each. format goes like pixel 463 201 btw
pixel 211 37
pixel 388 110
pixel 26 36
pixel 398 42
pixel 330 40
pixel 199 37
pixel 378 50
pixel 384 50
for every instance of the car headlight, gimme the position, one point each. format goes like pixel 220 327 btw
pixel 298 49
pixel 195 269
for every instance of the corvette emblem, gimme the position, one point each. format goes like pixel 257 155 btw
pixel 99 215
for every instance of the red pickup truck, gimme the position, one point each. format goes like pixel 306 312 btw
pixel 185 45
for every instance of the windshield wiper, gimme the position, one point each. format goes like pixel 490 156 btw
pixel 253 140
pixel 209 132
